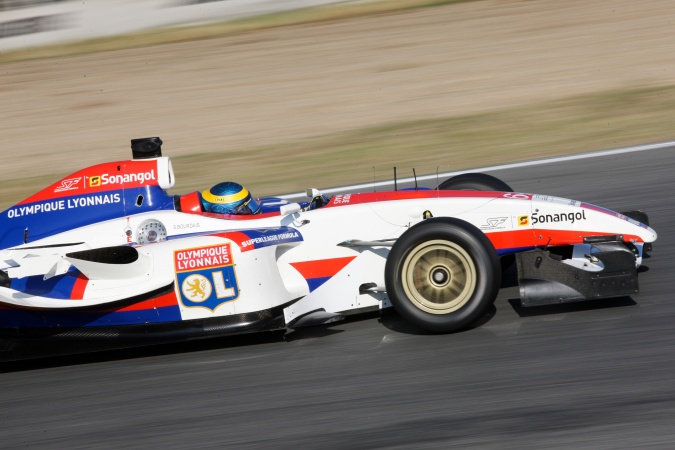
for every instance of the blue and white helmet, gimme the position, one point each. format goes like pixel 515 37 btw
pixel 229 198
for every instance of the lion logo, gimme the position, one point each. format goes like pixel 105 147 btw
pixel 196 288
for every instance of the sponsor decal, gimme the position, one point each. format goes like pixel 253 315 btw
pixel 203 258
pixel 60 205
pixel 68 185
pixel 341 199
pixel 248 240
pixel 106 178
pixel 205 276
pixel 558 200
pixel 494 223
pixel 287 236
pixel 571 217
pixel 128 233
pixel 523 221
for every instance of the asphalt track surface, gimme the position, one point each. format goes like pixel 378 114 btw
pixel 588 375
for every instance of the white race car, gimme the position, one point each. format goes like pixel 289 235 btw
pixel 106 258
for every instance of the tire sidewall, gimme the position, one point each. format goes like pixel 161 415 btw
pixel 483 256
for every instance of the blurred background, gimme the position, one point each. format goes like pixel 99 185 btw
pixel 281 95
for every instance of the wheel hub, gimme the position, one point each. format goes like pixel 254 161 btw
pixel 440 276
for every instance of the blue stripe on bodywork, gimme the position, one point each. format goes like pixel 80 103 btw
pixel 32 221
pixel 314 283
pixel 509 251
pixel 58 287
pixel 25 318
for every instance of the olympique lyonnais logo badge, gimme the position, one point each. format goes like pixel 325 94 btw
pixel 205 276
pixel 523 221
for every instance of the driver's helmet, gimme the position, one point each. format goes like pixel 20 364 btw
pixel 229 198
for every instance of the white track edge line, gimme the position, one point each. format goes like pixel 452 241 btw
pixel 536 162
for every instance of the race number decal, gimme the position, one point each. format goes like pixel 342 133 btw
pixel 205 276
pixel 516 195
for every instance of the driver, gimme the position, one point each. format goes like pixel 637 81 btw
pixel 229 198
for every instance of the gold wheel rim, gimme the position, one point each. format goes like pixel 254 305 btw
pixel 439 276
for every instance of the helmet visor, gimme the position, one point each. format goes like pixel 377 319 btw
pixel 250 206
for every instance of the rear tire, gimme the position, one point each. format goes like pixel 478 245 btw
pixel 480 182
pixel 442 275
pixel 474 182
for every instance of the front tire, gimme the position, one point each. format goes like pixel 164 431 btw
pixel 442 275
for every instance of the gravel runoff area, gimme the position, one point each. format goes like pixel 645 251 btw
pixel 268 86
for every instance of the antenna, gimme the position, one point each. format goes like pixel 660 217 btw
pixel 395 181
pixel 415 176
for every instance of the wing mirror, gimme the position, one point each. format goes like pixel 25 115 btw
pixel 318 200
pixel 312 192
pixel 291 208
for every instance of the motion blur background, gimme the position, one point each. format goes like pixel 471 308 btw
pixel 285 94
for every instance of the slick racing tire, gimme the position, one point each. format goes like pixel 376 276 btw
pixel 480 182
pixel 442 275
pixel 474 182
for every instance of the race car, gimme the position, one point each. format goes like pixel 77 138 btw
pixel 106 258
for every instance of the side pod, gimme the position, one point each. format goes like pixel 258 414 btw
pixel 544 279
pixel 110 263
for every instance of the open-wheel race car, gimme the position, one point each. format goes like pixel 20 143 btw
pixel 106 258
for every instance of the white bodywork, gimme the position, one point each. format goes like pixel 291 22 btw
pixel 266 276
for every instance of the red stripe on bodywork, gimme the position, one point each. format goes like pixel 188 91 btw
pixel 512 239
pixel 541 238
pixel 78 288
pixel 165 300
pixel 372 197
pixel 168 299
pixel 322 267
pixel 84 181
